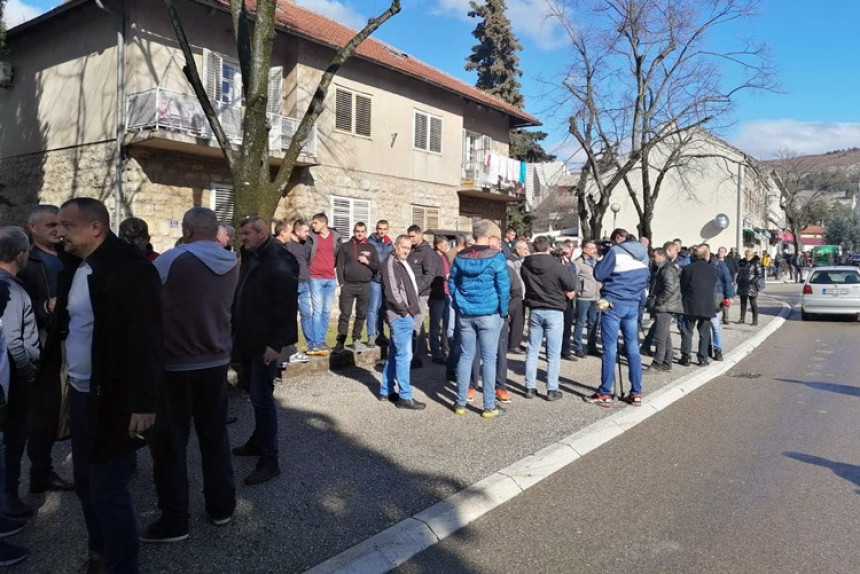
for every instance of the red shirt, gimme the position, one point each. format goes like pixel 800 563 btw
pixel 322 265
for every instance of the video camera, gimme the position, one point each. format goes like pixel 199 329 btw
pixel 603 246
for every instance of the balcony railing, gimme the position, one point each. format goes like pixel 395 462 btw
pixel 160 109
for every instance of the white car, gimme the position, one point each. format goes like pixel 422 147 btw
pixel 831 291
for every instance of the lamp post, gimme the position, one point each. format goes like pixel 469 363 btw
pixel 615 209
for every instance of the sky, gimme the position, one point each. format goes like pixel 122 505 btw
pixel 813 45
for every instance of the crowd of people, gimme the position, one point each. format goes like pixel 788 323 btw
pixel 119 347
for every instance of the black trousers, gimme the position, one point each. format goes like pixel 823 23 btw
pixel 359 294
pixel 201 395
pixel 516 321
pixel 703 326
pixel 662 329
pixel 567 330
pixel 15 432
pixel 753 302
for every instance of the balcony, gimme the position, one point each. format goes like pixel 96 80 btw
pixel 177 120
pixel 481 176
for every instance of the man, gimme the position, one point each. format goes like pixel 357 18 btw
pixel 461 242
pixel 517 292
pixel 587 294
pixel 40 277
pixel 376 306
pixel 426 266
pixel 566 249
pixel 624 274
pixel 300 248
pixel 698 285
pixel 516 310
pixel 136 231
pixel 480 292
pixel 225 238
pixel 264 322
pixel 507 245
pixel 664 300
pixel 356 265
pixel 681 254
pixel 549 289
pixel 108 321
pixel 197 346
pixel 527 237
pixel 22 343
pixel 440 303
pixel 646 242
pixel 324 245
pixel 723 292
pixel 402 311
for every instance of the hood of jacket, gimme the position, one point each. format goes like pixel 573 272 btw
pixel 540 263
pixel 210 253
pixel 475 259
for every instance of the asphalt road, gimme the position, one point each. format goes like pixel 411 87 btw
pixel 758 471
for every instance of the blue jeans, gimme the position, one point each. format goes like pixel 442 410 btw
pixel 102 489
pixel 439 314
pixel 478 334
pixel 306 314
pixel 550 323
pixel 717 330
pixel 375 311
pixel 627 318
pixel 399 359
pixel 586 315
pixel 261 383
pixel 322 295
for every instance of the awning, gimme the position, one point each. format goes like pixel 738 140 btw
pixel 758 236
pixel 813 241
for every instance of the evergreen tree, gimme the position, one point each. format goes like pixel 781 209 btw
pixel 525 146
pixel 2 27
pixel 495 56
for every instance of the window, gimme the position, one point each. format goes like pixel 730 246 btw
pixel 352 112
pixel 425 217
pixel 222 78
pixel 347 211
pixel 222 201
pixel 428 132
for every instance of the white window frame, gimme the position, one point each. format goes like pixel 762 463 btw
pixel 428 138
pixel 353 111
pixel 219 190
pixel 363 212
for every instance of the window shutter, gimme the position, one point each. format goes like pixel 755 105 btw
pixel 212 74
pixel 276 85
pixel 431 218
pixel 418 216
pixel 435 135
pixel 420 131
pixel 222 201
pixel 360 212
pixel 340 212
pixel 486 144
pixel 343 110
pixel 362 115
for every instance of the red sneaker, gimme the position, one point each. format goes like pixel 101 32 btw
pixel 604 401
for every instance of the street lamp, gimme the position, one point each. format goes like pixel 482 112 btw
pixel 615 209
pixel 721 221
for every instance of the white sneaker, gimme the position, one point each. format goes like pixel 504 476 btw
pixel 299 357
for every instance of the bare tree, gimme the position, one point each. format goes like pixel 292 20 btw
pixel 802 206
pixel 257 192
pixel 644 77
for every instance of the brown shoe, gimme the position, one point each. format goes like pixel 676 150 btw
pixel 568 357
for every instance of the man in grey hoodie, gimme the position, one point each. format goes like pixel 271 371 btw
pixel 198 282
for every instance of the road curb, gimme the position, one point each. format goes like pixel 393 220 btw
pixel 399 543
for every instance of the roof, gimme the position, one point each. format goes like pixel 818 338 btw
pixel 812 241
pixel 812 230
pixel 321 30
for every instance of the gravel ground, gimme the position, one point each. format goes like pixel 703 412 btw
pixel 352 466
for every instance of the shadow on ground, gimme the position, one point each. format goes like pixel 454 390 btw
pixel 849 472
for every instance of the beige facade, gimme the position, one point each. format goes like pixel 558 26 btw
pixel 58 125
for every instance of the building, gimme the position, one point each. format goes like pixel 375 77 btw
pixel 398 139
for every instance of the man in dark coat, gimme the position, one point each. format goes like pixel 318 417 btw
pixel 108 320
pixel 698 284
pixel 426 266
pixel 264 322
pixel 664 301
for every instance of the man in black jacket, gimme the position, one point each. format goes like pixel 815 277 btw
pixel 264 322
pixel 698 283
pixel 426 267
pixel 356 264
pixel 108 320
pixel 664 300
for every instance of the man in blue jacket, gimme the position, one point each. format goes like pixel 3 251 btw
pixel 726 290
pixel 624 273
pixel 376 306
pixel 480 292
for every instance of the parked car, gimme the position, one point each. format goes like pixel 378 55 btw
pixel 852 259
pixel 831 290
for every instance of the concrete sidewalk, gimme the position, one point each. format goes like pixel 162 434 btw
pixel 353 466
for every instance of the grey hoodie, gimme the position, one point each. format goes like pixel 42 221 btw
pixel 20 331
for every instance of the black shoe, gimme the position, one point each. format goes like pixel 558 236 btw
pixel 516 351
pixel 267 469
pixel 684 361
pixel 382 341
pixel 568 357
pixel 410 405
pixel 10 555
pixel 95 565
pixel 416 364
pixel 643 350
pixel 703 362
pixel 579 354
pixel 10 526
pixel 531 393
pixel 162 531
pixel 718 355
pixel 338 348
pixel 451 376
pixel 553 395
pixel 754 323
pixel 14 507
pixel 594 352
pixel 391 397
pixel 652 368
pixel 54 483
pixel 247 449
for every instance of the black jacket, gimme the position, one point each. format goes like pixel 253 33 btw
pixel 267 300
pixel 35 279
pixel 749 274
pixel 698 284
pixel 349 268
pixel 426 266
pixel 546 282
pixel 127 348
pixel 302 253
pixel 665 294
